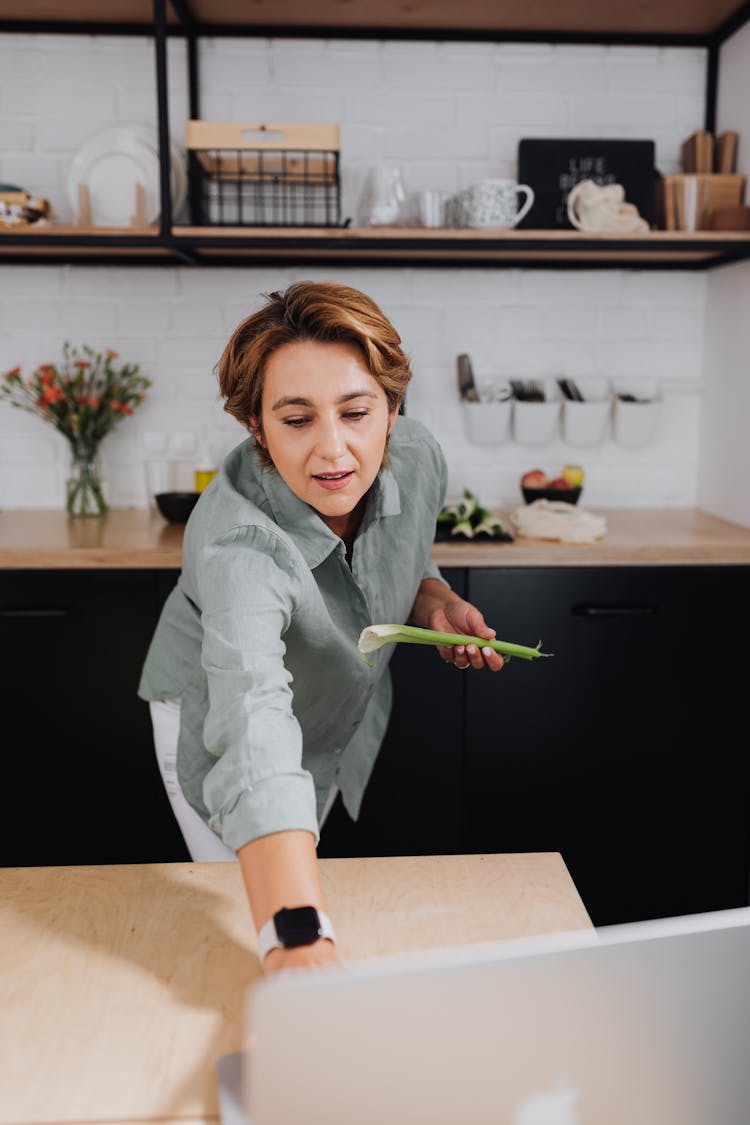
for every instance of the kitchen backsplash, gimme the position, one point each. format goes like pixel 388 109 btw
pixel 447 114
pixel 175 321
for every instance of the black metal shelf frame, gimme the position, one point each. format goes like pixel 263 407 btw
pixel 168 246
pixel 220 249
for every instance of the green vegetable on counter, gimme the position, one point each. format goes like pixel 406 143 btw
pixel 470 519
pixel 375 636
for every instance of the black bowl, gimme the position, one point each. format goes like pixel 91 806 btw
pixel 567 495
pixel 176 506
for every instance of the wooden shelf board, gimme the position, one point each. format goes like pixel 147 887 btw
pixel 385 234
pixel 53 242
pixel 565 237
pixel 629 17
pixel 397 244
pixel 416 244
pixel 57 230
pixel 62 253
pixel 460 255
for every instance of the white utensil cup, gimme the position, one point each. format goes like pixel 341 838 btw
pixel 538 423
pixel 488 423
pixel 587 422
pixel 635 422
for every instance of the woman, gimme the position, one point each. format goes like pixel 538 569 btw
pixel 318 525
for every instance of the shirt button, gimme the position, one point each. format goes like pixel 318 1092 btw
pixel 338 750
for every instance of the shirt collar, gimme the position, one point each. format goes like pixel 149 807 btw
pixel 315 540
pixel 385 498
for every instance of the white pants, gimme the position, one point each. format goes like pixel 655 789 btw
pixel 202 843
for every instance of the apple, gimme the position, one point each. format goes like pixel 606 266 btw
pixel 558 482
pixel 535 478
pixel 573 474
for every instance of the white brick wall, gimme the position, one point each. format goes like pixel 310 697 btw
pixel 447 113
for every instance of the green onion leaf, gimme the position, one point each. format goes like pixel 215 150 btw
pixel 375 636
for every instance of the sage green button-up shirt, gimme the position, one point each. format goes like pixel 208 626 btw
pixel 259 638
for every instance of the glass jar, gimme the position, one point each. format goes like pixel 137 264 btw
pixel 84 492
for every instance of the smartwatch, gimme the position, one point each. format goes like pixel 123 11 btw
pixel 300 925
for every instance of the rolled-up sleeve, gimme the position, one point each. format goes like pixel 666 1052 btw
pixel 432 570
pixel 248 589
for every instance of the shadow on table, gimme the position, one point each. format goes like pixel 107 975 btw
pixel 186 931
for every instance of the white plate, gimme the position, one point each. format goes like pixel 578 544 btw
pixel 111 163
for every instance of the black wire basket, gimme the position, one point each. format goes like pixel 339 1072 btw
pixel 271 175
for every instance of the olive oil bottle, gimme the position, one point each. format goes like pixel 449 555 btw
pixel 205 471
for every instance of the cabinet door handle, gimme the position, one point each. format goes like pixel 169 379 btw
pixel 21 614
pixel 615 609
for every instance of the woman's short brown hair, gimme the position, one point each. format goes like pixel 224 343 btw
pixel 309 310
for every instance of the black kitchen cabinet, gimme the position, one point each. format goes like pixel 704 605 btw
pixel 80 778
pixel 83 766
pixel 412 804
pixel 627 750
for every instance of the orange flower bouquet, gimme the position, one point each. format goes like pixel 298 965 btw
pixel 83 398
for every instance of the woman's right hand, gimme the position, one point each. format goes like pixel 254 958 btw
pixel 281 870
pixel 321 952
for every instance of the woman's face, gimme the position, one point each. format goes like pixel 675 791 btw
pixel 324 422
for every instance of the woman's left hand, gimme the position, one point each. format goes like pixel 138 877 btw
pixel 454 615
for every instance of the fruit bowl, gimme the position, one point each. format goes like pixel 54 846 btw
pixel 567 495
pixel 567 486
pixel 176 506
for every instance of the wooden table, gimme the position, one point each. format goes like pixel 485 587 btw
pixel 121 986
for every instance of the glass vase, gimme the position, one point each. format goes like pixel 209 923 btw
pixel 84 493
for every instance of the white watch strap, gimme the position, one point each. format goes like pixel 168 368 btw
pixel 268 939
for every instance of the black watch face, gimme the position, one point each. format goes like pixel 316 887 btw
pixel 298 926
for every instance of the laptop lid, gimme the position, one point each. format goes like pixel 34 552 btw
pixel 639 1024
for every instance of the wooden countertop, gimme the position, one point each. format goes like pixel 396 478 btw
pixel 122 985
pixel 141 539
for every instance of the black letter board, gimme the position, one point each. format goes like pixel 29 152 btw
pixel 553 167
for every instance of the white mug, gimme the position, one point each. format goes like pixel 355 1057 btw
pixel 431 208
pixel 493 204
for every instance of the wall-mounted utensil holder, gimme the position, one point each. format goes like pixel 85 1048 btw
pixel 488 423
pixel 537 423
pixel 637 405
pixel 488 414
pixel 587 421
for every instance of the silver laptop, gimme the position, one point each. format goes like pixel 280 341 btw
pixel 642 1024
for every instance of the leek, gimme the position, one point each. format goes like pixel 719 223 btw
pixel 470 519
pixel 375 636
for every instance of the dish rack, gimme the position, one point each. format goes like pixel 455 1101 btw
pixel 264 175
